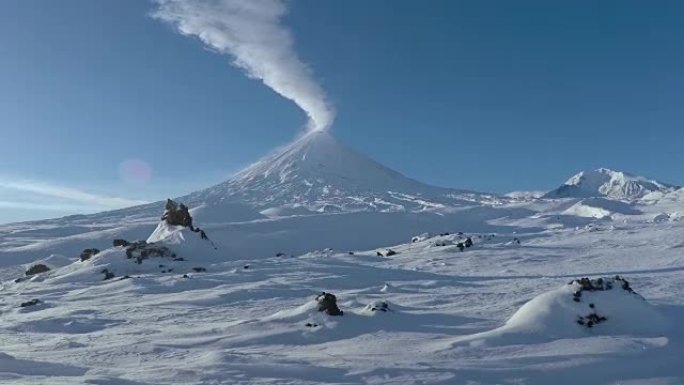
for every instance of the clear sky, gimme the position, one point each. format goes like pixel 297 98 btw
pixel 103 105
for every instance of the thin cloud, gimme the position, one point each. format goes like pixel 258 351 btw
pixel 252 33
pixel 57 207
pixel 80 197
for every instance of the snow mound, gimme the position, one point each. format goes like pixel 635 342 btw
pixel 525 195
pixel 599 208
pixel 605 306
pixel 608 183
pixel 183 241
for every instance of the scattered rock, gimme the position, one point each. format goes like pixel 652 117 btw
pixel 590 320
pixel 592 285
pixel 460 246
pixel 311 325
pixel 328 302
pixel 37 269
pixel 199 269
pixel 468 242
pixel 107 274
pixel 280 254
pixel 386 253
pixel 245 267
pixel 351 253
pixel 142 250
pixel 32 302
pixel 88 253
pixel 185 276
pixel 381 306
pixel 120 242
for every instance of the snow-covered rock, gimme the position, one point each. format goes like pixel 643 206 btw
pixel 568 311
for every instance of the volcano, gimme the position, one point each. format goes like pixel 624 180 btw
pixel 318 174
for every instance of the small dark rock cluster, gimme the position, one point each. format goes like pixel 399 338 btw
pixel 311 325
pixel 386 253
pixel 327 302
pixel 37 269
pixel 32 302
pixel 590 320
pixel 142 250
pixel 591 285
pixel 88 253
pixel 107 274
pixel 199 269
pixel 120 243
pixel 599 284
pixel 383 307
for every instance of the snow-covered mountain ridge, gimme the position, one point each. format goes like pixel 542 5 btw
pixel 608 183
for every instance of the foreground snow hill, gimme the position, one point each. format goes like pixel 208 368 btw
pixel 428 313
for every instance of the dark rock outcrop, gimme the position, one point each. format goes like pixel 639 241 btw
pixel 88 253
pixel 327 302
pixel 36 269
pixel 107 274
pixel 177 214
pixel 386 253
pixel 142 250
pixel 32 302
pixel 120 242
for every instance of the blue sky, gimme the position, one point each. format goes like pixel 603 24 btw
pixel 102 105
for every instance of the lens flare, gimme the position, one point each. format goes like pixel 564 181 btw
pixel 135 171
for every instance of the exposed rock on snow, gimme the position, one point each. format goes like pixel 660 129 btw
pixel 88 253
pixel 37 269
pixel 120 243
pixel 32 302
pixel 386 253
pixel 177 214
pixel 608 305
pixel 327 302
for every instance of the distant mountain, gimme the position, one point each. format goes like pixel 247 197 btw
pixel 608 183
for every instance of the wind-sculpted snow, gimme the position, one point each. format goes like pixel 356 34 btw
pixel 496 312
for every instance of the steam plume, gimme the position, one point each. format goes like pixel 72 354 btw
pixel 251 32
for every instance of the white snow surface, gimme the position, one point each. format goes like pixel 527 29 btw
pixel 309 219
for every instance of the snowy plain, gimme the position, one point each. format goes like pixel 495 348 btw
pixel 311 218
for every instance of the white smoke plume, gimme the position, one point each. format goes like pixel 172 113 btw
pixel 252 33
